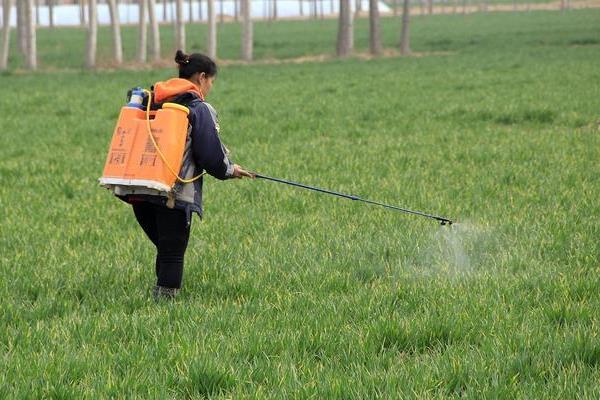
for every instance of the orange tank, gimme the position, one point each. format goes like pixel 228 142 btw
pixel 133 158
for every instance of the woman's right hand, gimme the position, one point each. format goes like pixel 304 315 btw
pixel 239 172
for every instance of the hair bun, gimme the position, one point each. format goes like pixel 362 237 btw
pixel 181 58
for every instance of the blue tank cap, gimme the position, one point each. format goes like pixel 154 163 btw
pixel 136 100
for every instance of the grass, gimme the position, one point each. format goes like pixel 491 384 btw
pixel 292 294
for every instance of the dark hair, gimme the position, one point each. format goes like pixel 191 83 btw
pixel 189 64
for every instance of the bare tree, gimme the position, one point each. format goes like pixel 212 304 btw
pixel 142 31
pixel 357 8
pixel 82 12
pixel 247 44
pixel 154 31
pixel 92 36
pixel 30 34
pixel 51 13
pixel 37 12
pixel 374 28
pixel 405 35
pixel 115 24
pixel 21 27
pixel 180 26
pixel 345 39
pixel 6 8
pixel 212 29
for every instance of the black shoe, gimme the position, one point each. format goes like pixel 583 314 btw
pixel 164 293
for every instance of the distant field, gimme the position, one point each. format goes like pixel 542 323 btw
pixel 63 48
pixel 293 294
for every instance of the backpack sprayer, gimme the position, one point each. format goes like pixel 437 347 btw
pixel 442 220
pixel 147 146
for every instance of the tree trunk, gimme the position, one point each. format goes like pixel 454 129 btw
pixel 21 28
pixel 300 8
pixel 142 31
pixel 92 34
pixel 154 31
pixel 37 12
pixel 200 10
pixel 374 28
pixel 191 10
pixel 82 20
pixel 51 13
pixel 212 29
pixel 180 27
pixel 247 39
pixel 275 9
pixel 221 12
pixel 115 23
pixel 31 55
pixel 172 16
pixel 236 10
pixel 6 8
pixel 357 8
pixel 345 39
pixel 405 36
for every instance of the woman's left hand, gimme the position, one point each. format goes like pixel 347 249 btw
pixel 239 172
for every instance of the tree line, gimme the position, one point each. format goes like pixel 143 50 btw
pixel 27 22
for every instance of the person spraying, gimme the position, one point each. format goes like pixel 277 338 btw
pixel 164 211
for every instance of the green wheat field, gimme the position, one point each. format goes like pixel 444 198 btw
pixel 291 294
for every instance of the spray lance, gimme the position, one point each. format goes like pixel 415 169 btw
pixel 441 220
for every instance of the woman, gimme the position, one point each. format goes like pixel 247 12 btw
pixel 166 221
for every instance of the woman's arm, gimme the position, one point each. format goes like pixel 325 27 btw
pixel 209 153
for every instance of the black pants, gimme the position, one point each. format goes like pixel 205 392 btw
pixel 169 232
